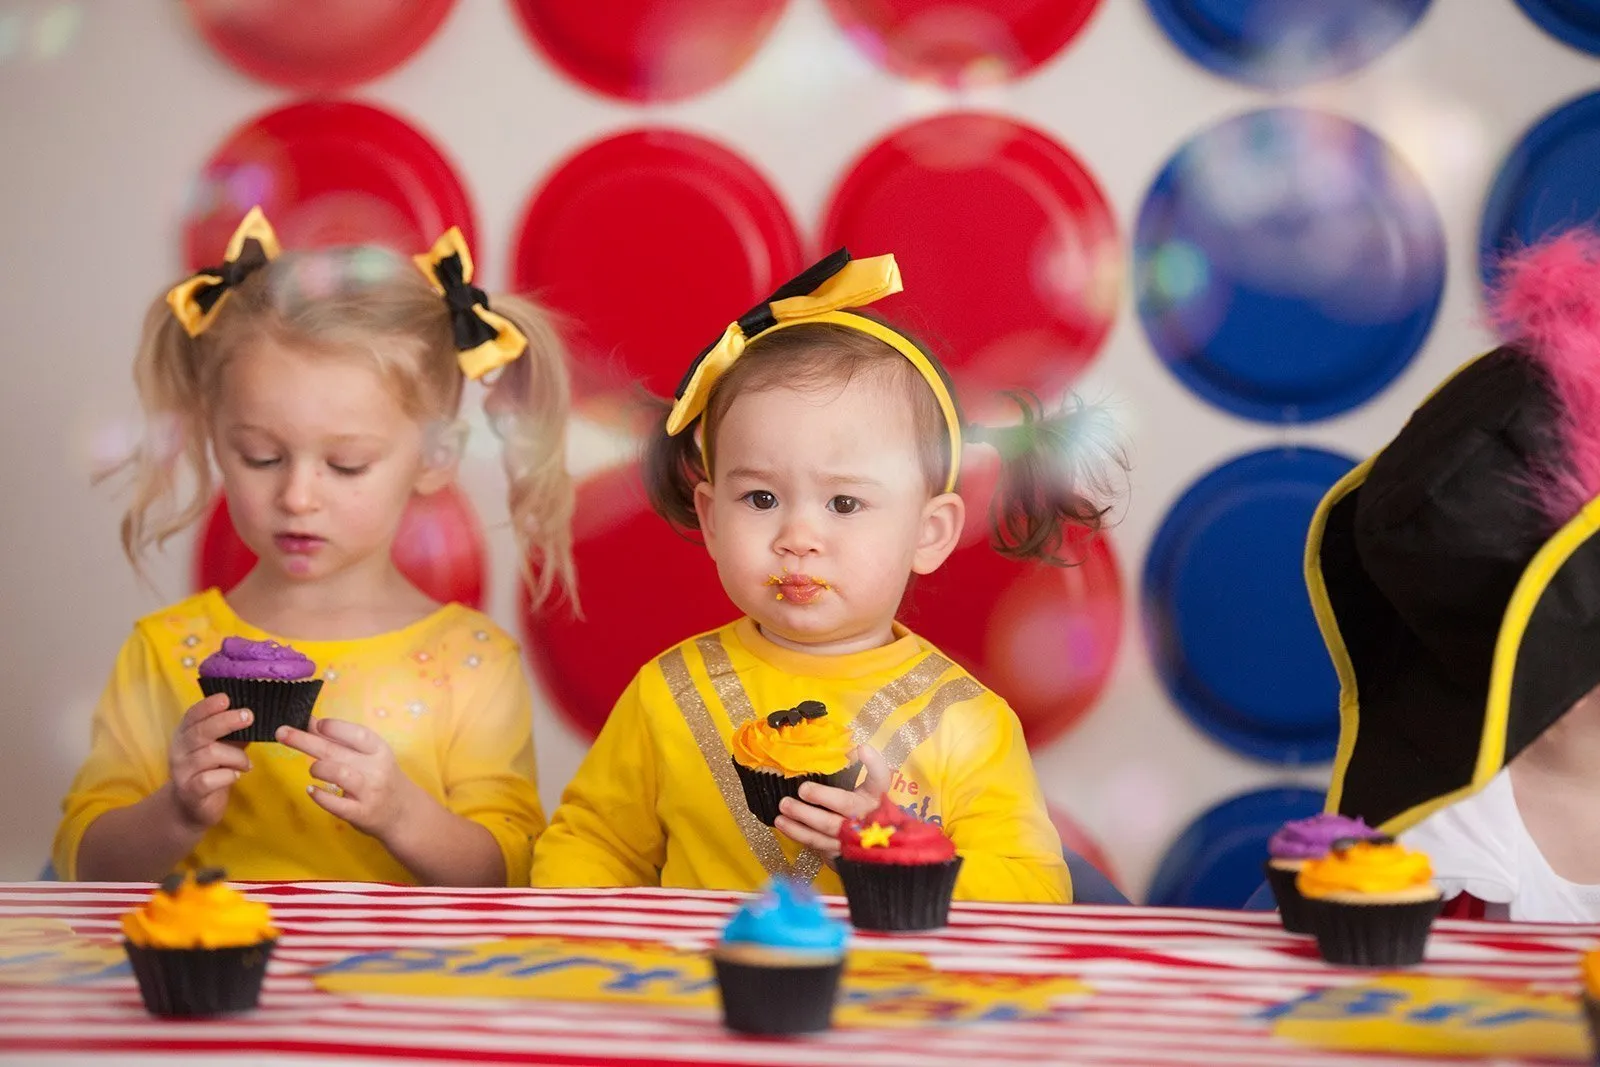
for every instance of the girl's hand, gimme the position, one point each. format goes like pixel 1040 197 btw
pixel 815 823
pixel 370 791
pixel 202 767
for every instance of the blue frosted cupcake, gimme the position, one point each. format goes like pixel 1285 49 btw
pixel 779 961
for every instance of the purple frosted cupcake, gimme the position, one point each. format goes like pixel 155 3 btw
pixel 274 681
pixel 1296 842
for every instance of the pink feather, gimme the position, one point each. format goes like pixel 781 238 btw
pixel 1547 302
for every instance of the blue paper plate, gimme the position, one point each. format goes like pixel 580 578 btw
pixel 1216 861
pixel 1284 43
pixel 1576 22
pixel 1226 614
pixel 1288 265
pixel 1549 181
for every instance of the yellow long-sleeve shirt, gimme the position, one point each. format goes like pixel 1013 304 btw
pixel 447 693
pixel 657 802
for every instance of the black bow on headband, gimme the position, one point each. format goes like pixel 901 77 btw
pixel 760 317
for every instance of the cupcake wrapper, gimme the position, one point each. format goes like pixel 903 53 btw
pixel 777 1000
pixel 896 896
pixel 273 702
pixel 199 981
pixel 763 790
pixel 1371 935
pixel 1591 1012
pixel 1291 905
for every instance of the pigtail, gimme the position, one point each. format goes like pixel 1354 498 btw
pixel 166 373
pixel 1057 469
pixel 672 468
pixel 528 406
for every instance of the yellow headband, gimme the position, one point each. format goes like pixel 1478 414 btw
pixel 195 300
pixel 819 294
pixel 484 341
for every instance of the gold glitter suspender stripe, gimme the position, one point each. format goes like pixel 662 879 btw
pixel 736 702
pixel 763 843
pixel 921 726
pixel 897 694
pixel 725 680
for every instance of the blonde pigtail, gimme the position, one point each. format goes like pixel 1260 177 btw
pixel 167 376
pixel 528 405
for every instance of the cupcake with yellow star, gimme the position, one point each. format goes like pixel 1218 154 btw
pixel 776 755
pixel 1370 902
pixel 898 871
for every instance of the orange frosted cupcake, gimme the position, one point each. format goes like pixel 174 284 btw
pixel 1591 993
pixel 1370 902
pixel 199 947
pixel 775 756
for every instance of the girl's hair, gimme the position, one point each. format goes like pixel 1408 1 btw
pixel 1056 467
pixel 368 301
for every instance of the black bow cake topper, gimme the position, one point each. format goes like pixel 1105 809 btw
pixel 806 709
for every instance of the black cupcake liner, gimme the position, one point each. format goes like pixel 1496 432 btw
pixel 1591 1012
pixel 1291 905
pixel 759 999
pixel 200 981
pixel 898 896
pixel 274 703
pixel 1372 935
pixel 763 789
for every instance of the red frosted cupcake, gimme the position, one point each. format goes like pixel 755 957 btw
pixel 898 871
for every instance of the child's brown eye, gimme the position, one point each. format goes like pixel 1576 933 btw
pixel 761 500
pixel 845 505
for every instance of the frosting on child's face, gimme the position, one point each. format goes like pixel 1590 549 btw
pixel 318 459
pixel 818 512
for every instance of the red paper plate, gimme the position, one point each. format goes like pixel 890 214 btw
pixel 439 548
pixel 652 242
pixel 649 49
pixel 961 42
pixel 1008 248
pixel 622 549
pixel 328 173
pixel 1045 638
pixel 317 45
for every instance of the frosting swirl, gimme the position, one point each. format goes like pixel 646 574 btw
pixel 1304 839
pixel 1372 866
pixel 241 657
pixel 1591 973
pixel 794 745
pixel 198 911
pixel 787 915
pixel 889 834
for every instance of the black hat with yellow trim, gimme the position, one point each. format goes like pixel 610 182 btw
pixel 1455 575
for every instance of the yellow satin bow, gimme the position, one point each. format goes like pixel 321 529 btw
pixel 196 300
pixel 856 284
pixel 484 341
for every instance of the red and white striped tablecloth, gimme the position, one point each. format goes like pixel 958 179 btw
pixel 1168 986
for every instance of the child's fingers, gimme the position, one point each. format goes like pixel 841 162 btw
pixel 345 777
pixel 203 724
pixel 350 734
pixel 301 741
pixel 819 819
pixel 849 804
pixel 205 783
pixel 220 754
pixel 878 774
pixel 801 834
pixel 331 802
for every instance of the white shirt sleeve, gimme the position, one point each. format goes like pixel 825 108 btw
pixel 1473 844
